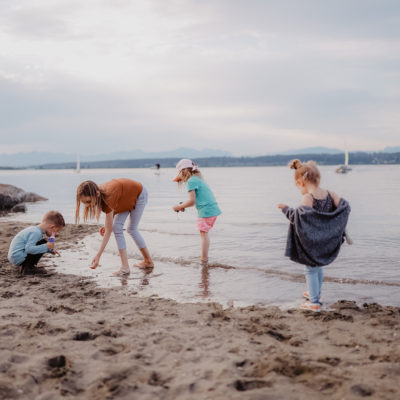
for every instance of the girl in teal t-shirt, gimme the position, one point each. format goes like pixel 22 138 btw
pixel 200 195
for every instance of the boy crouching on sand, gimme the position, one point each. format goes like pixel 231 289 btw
pixel 29 245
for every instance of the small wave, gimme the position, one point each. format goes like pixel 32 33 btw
pixel 295 277
pixel 262 223
pixel 348 281
pixel 266 223
pixel 168 233
pixel 300 277
pixel 196 262
pixel 361 281
pixel 180 261
pixel 218 265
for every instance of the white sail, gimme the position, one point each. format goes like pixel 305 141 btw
pixel 344 169
pixel 346 159
pixel 78 164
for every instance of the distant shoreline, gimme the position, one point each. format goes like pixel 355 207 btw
pixel 356 158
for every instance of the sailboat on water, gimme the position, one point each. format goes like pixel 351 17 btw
pixel 344 169
pixel 78 164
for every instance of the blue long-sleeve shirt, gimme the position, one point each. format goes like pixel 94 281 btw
pixel 24 243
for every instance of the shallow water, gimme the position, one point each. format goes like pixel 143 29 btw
pixel 248 240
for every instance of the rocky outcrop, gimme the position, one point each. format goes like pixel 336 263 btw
pixel 13 198
pixel 21 207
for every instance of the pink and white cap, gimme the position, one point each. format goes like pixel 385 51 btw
pixel 182 164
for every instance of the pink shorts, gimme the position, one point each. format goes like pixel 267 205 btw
pixel 205 224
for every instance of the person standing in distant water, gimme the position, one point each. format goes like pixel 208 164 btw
pixel 118 199
pixel 317 228
pixel 200 195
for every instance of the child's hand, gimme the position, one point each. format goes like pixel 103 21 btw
pixel 282 206
pixel 50 245
pixel 95 262
pixel 102 230
pixel 177 208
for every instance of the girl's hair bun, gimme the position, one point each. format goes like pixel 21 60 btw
pixel 308 171
pixel 295 164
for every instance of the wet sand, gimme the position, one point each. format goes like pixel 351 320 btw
pixel 62 336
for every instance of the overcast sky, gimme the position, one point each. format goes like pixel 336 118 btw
pixel 250 77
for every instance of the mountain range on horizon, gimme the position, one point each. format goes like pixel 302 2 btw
pixel 36 158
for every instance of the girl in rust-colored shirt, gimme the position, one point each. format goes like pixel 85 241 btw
pixel 118 199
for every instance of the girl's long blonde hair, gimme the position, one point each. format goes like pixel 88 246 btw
pixel 308 171
pixel 90 189
pixel 187 173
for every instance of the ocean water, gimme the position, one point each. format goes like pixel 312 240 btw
pixel 247 263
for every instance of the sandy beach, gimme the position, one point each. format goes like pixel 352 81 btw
pixel 63 337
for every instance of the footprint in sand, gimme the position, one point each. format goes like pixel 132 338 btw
pixel 84 336
pixel 17 359
pixel 362 390
pixel 242 386
pixel 108 351
pixel 58 366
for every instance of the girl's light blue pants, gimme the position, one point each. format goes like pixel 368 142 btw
pixel 314 278
pixel 134 218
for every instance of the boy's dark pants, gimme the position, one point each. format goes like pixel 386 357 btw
pixel 31 260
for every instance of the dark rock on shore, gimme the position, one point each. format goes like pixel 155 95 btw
pixel 12 198
pixel 19 208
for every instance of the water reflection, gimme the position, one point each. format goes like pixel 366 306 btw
pixel 145 275
pixel 124 280
pixel 205 280
pixel 205 277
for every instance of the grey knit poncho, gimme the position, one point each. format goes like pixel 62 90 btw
pixel 314 237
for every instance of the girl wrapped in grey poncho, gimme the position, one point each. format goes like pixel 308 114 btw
pixel 314 237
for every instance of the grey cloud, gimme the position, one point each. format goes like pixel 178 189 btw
pixel 342 18
pixel 330 68
pixel 73 114
pixel 36 21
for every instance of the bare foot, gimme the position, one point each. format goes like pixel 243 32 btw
pixel 144 264
pixel 122 272
pixel 204 262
